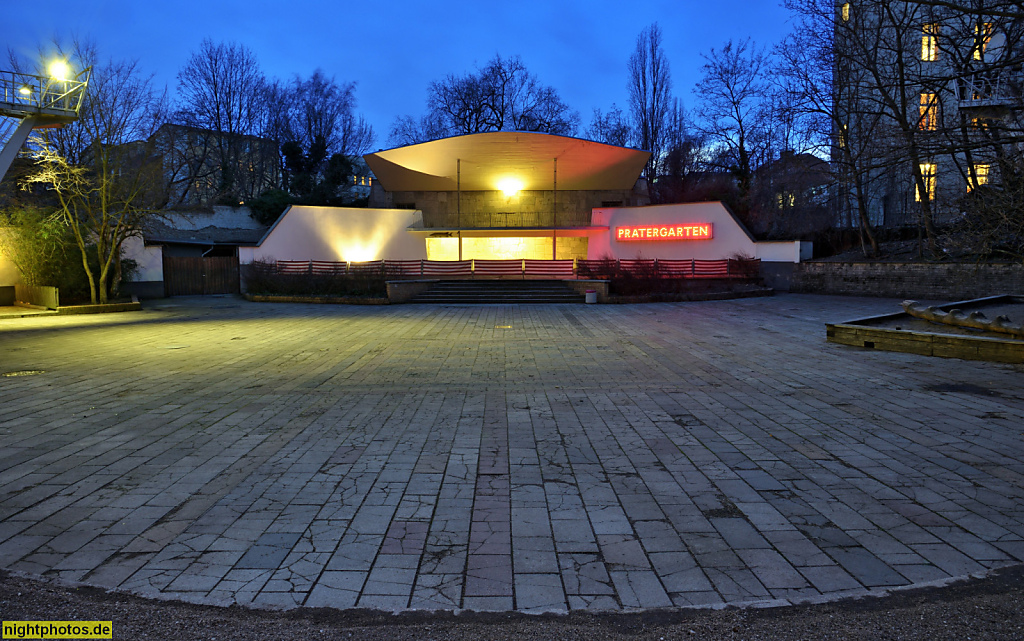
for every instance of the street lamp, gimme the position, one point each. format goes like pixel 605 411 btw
pixel 59 70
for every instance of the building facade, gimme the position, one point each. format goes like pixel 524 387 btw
pixel 928 107
pixel 507 194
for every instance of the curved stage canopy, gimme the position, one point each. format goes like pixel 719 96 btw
pixel 507 160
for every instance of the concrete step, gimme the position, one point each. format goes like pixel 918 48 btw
pixel 469 292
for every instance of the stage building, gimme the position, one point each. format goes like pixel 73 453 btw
pixel 513 195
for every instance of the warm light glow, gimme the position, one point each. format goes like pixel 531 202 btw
pixel 363 247
pixel 928 171
pixel 510 186
pixel 982 36
pixel 929 112
pixel 678 231
pixel 512 248
pixel 25 90
pixel 981 174
pixel 358 253
pixel 930 42
pixel 59 70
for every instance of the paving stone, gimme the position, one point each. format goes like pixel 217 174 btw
pixel 639 589
pixel 538 593
pixel 428 461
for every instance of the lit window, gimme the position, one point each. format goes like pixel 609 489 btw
pixel 982 36
pixel 785 200
pixel 928 171
pixel 980 175
pixel 930 43
pixel 929 112
pixel 844 11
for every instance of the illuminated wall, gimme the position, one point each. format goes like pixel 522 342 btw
pixel 730 238
pixel 340 234
pixel 9 274
pixel 505 248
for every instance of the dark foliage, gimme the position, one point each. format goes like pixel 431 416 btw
pixel 262 277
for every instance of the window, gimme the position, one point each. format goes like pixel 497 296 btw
pixel 929 112
pixel 980 175
pixel 982 36
pixel 930 42
pixel 785 200
pixel 844 11
pixel 928 171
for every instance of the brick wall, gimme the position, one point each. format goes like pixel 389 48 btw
pixel 909 280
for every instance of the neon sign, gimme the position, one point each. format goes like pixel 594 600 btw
pixel 689 231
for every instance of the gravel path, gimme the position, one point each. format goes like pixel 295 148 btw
pixel 990 608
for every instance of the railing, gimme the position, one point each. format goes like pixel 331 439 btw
pixel 561 269
pixel 993 88
pixel 506 220
pixel 23 94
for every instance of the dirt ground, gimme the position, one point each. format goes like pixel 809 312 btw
pixel 990 608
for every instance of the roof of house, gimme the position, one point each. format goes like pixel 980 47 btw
pixel 484 162
pixel 157 233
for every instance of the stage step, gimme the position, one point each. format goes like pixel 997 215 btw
pixel 508 292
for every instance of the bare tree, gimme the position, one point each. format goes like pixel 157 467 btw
pixel 732 112
pixel 650 90
pixel 323 110
pixel 100 168
pixel 823 89
pixel 611 128
pixel 320 134
pixel 502 96
pixel 222 89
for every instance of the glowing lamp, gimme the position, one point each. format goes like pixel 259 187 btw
pixel 25 90
pixel 59 70
pixel 510 186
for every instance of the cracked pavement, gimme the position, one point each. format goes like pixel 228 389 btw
pixel 499 457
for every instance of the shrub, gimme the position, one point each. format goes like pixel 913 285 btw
pixel 262 277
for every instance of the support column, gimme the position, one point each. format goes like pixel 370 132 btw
pixel 14 144
pixel 458 207
pixel 554 215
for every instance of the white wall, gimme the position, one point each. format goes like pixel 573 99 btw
pixel 9 274
pixel 729 238
pixel 341 234
pixel 150 259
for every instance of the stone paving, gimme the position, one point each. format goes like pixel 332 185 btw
pixel 537 458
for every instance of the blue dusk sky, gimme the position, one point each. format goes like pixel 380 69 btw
pixel 393 50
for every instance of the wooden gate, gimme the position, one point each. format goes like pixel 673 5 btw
pixel 196 275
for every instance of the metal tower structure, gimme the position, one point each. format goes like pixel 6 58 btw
pixel 30 102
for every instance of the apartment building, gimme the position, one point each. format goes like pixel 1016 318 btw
pixel 929 98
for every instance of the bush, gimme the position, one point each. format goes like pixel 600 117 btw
pixel 261 277
pixel 269 205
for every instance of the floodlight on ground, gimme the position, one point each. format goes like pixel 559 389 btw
pixel 59 70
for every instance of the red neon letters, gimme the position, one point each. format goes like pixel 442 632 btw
pixel 687 231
